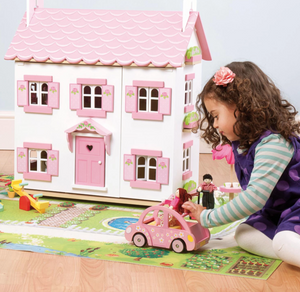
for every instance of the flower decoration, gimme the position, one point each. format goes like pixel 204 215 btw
pixel 130 93
pixel 107 92
pixel 75 90
pixel 21 154
pixel 86 124
pixel 22 87
pixel 53 89
pixel 52 157
pixel 224 76
pixel 128 162
pixel 164 95
pixel 162 165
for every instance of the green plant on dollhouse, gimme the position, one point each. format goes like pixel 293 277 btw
pixel 191 120
pixel 193 51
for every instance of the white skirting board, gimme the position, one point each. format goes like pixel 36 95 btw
pixel 7 130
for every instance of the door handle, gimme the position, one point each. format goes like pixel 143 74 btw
pixel 99 162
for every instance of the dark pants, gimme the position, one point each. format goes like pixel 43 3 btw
pixel 208 200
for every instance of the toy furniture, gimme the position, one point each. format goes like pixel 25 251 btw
pixel 230 190
pixel 101 99
pixel 153 229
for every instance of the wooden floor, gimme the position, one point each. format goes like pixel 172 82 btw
pixel 26 271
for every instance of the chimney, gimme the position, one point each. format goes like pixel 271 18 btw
pixel 187 6
pixel 31 5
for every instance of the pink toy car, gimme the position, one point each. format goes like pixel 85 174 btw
pixel 162 227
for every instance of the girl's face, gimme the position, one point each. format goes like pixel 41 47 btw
pixel 223 115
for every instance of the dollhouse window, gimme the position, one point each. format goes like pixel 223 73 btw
pixel 188 92
pixel 146 168
pixel 38 93
pixel 148 100
pixel 186 160
pixel 92 97
pixel 38 160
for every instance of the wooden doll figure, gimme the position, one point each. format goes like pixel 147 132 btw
pixel 207 188
pixel 181 196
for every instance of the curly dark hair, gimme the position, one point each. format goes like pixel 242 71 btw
pixel 258 102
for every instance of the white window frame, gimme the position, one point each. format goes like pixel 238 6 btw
pixel 38 92
pixel 188 92
pixel 38 159
pixel 148 99
pixel 186 159
pixel 92 96
pixel 147 168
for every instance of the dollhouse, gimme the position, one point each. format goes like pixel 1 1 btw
pixel 105 100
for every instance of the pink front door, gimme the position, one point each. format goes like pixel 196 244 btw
pixel 90 161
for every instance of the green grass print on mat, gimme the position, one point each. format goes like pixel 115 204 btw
pixel 230 261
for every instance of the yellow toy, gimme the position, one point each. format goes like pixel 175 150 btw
pixel 27 200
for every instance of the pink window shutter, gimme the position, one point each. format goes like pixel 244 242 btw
pixel 129 167
pixel 22 159
pixel 131 99
pixel 165 96
pixel 52 163
pixel 75 96
pixel 162 169
pixel 22 92
pixel 108 98
pixel 53 94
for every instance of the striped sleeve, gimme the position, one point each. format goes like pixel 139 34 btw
pixel 272 155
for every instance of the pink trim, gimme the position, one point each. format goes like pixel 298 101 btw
pixel 148 83
pixel 38 78
pixel 189 76
pixel 190 125
pixel 91 81
pixel 91 113
pixel 189 108
pixel 37 176
pixel 43 146
pixel 230 190
pixel 147 116
pixel 145 185
pixel 97 128
pixel 187 175
pixel 38 109
pixel 196 58
pixel 188 144
pixel 146 152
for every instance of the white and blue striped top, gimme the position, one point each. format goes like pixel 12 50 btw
pixel 272 155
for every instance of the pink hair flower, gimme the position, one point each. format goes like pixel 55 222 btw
pixel 223 76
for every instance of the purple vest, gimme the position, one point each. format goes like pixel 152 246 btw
pixel 283 197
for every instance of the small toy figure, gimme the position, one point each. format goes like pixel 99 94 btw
pixel 207 188
pixel 181 196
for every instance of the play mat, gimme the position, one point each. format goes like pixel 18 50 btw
pixel 93 230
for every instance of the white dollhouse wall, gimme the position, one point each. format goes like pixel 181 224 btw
pixel 42 128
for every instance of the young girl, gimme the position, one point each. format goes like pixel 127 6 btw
pixel 242 107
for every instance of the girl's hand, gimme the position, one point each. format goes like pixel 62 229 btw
pixel 195 209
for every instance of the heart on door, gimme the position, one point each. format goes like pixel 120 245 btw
pixel 90 147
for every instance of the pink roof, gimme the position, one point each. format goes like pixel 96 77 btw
pixel 108 37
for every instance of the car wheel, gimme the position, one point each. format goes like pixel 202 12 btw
pixel 139 240
pixel 178 245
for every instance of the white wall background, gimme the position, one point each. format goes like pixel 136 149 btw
pixel 263 31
